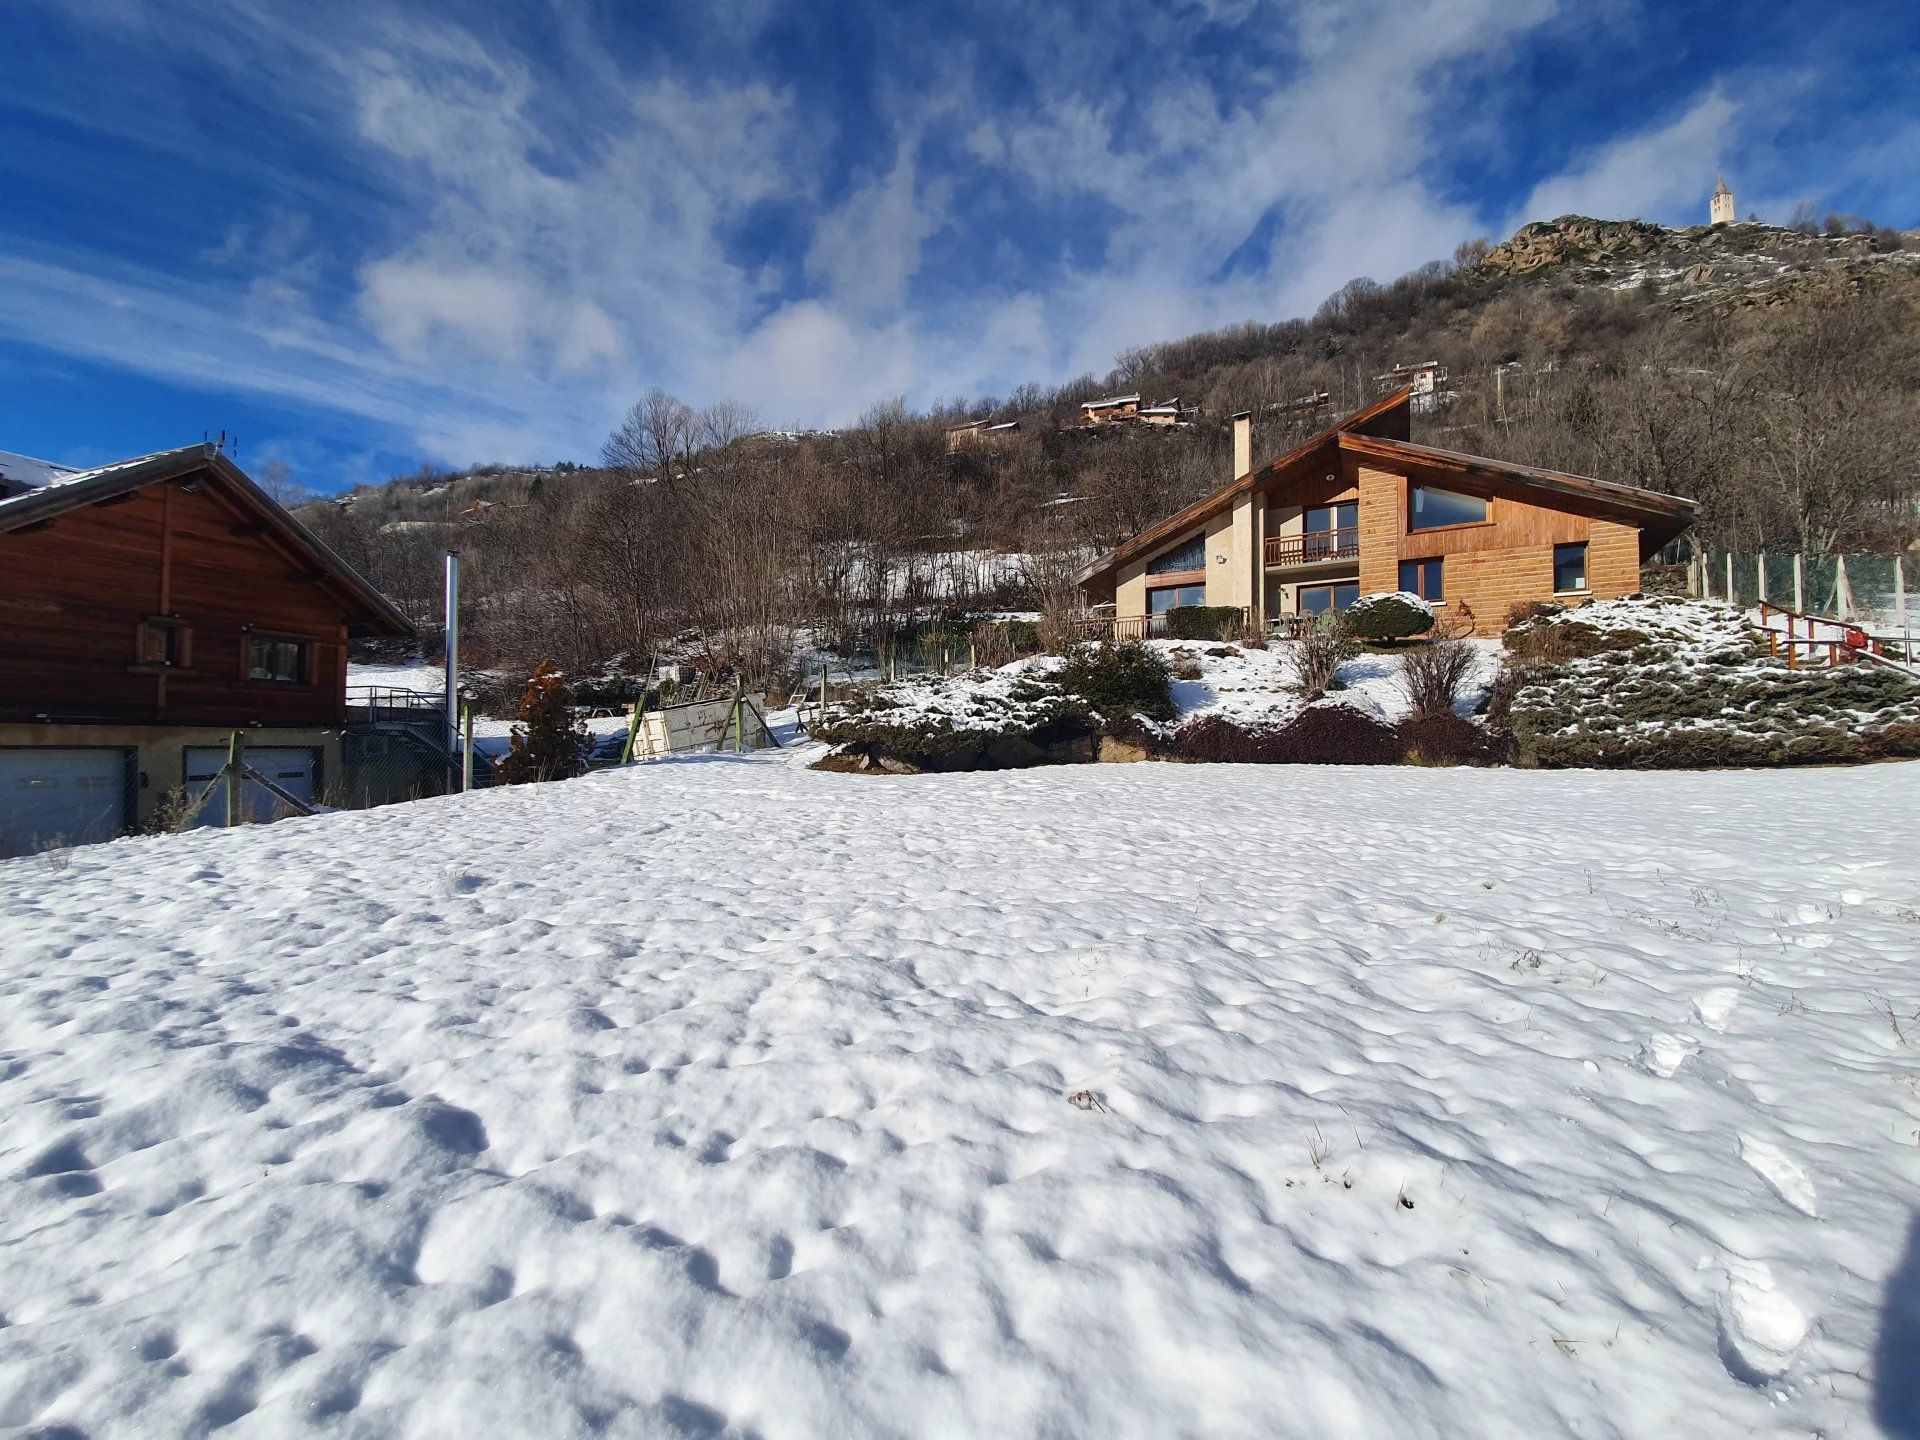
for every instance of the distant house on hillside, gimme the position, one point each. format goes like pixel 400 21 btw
pixel 148 609
pixel 982 435
pixel 1358 510
pixel 1425 381
pixel 1128 410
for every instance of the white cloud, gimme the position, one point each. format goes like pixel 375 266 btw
pixel 1645 175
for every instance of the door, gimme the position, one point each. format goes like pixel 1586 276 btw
pixel 50 798
pixel 1319 599
pixel 1331 530
pixel 294 768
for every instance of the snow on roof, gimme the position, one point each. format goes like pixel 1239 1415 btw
pixel 1111 400
pixel 22 475
pixel 23 472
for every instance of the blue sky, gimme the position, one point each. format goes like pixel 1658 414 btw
pixel 364 235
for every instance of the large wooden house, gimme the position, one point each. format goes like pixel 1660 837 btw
pixel 1360 510
pixel 148 609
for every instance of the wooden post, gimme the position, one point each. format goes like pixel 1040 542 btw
pixel 236 747
pixel 633 728
pixel 1799 582
pixel 466 748
pixel 973 654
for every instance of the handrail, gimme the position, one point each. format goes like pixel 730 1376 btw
pixel 1314 546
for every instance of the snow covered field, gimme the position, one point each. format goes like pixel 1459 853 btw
pixel 725 1097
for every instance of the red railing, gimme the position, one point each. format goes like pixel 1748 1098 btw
pixel 1843 641
pixel 1314 546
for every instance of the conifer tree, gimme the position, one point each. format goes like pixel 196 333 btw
pixel 548 744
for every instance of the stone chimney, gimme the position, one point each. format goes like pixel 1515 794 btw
pixel 1242 443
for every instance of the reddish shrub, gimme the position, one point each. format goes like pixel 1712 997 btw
pixel 1449 740
pixel 1338 735
pixel 1318 735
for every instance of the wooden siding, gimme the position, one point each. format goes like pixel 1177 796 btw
pixel 75 591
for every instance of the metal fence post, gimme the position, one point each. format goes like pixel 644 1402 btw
pixel 633 727
pixel 1730 599
pixel 1760 574
pixel 1799 582
pixel 235 749
pixel 466 750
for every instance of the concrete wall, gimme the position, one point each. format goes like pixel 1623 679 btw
pixel 160 750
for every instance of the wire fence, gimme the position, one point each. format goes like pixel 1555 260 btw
pixel 1873 590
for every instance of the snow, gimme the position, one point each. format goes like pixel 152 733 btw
pixel 416 675
pixel 34 474
pixel 725 1096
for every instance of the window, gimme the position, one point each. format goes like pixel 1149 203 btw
pixel 1319 599
pixel 1330 530
pixel 1189 555
pixel 1570 566
pixel 279 660
pixel 166 643
pixel 1429 508
pixel 1423 578
pixel 1170 597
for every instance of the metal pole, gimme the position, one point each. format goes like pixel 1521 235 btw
pixel 235 748
pixel 1799 582
pixel 453 649
pixel 1730 599
pixel 1900 606
pixel 466 750
pixel 1760 575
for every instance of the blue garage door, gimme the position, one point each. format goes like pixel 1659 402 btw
pixel 50 797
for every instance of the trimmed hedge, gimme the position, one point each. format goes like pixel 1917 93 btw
pixel 1318 735
pixel 1394 616
pixel 1204 622
pixel 1450 740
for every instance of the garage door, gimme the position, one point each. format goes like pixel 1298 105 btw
pixel 54 797
pixel 293 768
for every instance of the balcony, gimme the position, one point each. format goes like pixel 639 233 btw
pixel 1314 548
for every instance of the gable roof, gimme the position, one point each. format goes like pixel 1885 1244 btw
pixel 33 492
pixel 1389 414
pixel 1379 431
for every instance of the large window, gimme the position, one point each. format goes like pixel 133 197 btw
pixel 1423 578
pixel 1430 508
pixel 273 658
pixel 1171 597
pixel 1189 555
pixel 1330 530
pixel 1319 599
pixel 1570 567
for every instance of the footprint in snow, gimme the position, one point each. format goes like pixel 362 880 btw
pixel 1760 1325
pixel 1663 1053
pixel 1789 1181
pixel 1715 1006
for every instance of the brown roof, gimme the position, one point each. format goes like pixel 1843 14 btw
pixel 371 612
pixel 1386 414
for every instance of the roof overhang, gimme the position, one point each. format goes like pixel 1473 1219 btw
pixel 371 612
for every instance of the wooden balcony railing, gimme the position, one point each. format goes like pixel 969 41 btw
pixel 1314 547
pixel 1127 627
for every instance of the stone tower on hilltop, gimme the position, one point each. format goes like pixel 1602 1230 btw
pixel 1720 208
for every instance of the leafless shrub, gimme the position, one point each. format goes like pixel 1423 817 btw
pixel 1506 684
pixel 1319 652
pixel 1432 676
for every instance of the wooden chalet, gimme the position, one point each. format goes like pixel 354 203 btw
pixel 1359 509
pixel 147 610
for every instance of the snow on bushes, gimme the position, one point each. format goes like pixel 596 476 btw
pixel 1393 616
pixel 1034 712
pixel 1687 684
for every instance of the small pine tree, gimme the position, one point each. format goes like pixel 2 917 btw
pixel 548 744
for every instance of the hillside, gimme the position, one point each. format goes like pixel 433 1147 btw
pixel 1769 373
